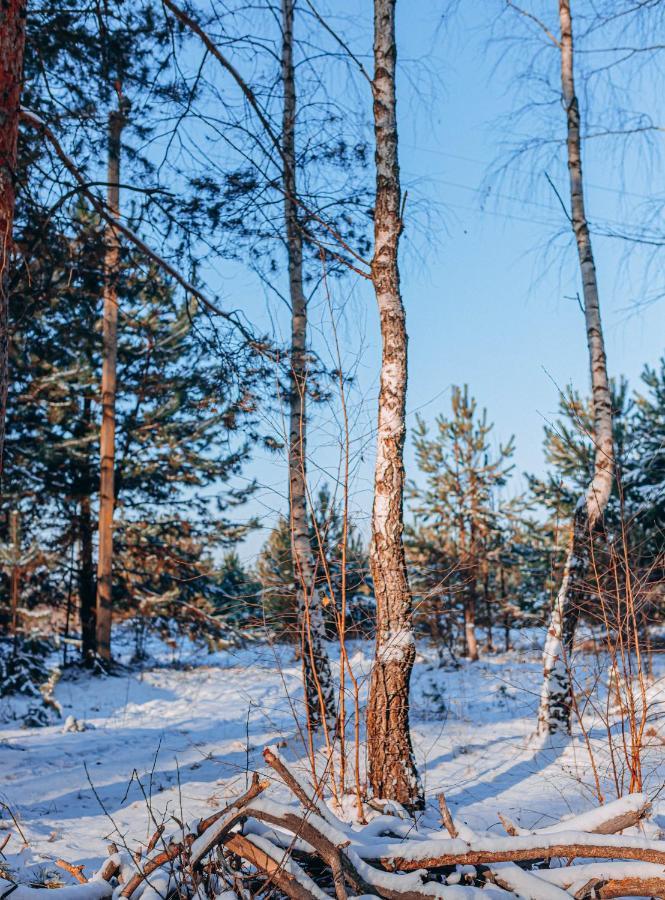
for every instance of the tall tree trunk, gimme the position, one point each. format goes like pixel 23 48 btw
pixel 392 770
pixel 86 568
pixel 318 683
pixel 554 714
pixel 107 436
pixel 12 44
pixel 86 583
pixel 15 577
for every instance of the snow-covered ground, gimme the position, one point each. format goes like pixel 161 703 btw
pixel 182 739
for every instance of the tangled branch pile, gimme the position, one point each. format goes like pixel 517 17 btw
pixel 258 846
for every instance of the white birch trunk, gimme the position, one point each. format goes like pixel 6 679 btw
pixel 554 714
pixel 318 682
pixel 392 770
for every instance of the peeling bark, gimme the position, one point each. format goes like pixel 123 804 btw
pixel 392 770
pixel 319 688
pixel 12 44
pixel 554 715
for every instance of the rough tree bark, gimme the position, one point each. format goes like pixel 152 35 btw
pixel 319 688
pixel 392 770
pixel 554 715
pixel 12 44
pixel 86 568
pixel 104 611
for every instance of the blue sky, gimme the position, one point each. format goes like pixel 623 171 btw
pixel 488 286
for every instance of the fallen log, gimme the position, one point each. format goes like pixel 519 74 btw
pixel 607 819
pixel 95 889
pixel 609 879
pixel 436 854
pixel 527 885
pixel 209 833
pixel 278 867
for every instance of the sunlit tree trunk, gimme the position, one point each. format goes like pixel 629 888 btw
pixel 12 44
pixel 556 700
pixel 392 770
pixel 104 610
pixel 319 688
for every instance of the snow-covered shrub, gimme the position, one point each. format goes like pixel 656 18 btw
pixel 25 673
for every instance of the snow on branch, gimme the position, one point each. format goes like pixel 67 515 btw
pixel 304 851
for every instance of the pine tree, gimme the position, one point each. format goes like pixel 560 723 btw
pixel 459 514
pixel 274 571
pixel 178 416
pixel 644 468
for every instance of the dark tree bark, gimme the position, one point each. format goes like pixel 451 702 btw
pixel 319 688
pixel 86 566
pixel 392 770
pixel 554 714
pixel 12 44
pixel 104 610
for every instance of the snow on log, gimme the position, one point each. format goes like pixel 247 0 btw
pixel 435 854
pixel 527 885
pixel 607 819
pixel 301 787
pixel 95 889
pixel 277 865
pixel 609 879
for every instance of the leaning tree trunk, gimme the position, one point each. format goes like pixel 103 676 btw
pixel 392 770
pixel 12 44
pixel 319 688
pixel 554 714
pixel 104 609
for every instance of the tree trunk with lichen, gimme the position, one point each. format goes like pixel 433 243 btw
pixel 554 714
pixel 317 674
pixel 392 770
pixel 12 45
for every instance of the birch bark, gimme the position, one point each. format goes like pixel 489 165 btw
pixel 317 675
pixel 392 770
pixel 554 713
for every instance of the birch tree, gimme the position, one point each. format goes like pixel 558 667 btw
pixel 392 770
pixel 554 713
pixel 117 119
pixel 12 43
pixel 319 688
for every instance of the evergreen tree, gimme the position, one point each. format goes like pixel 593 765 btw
pixel 326 534
pixel 458 515
pixel 237 598
pixel 644 470
pixel 569 454
pixel 179 409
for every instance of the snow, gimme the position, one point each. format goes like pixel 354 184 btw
pixel 396 645
pixel 182 740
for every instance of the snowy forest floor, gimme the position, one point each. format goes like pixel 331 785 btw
pixel 185 735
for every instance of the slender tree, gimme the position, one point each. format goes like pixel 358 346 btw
pixel 117 119
pixel 319 688
pixel 392 769
pixel 12 43
pixel 554 713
